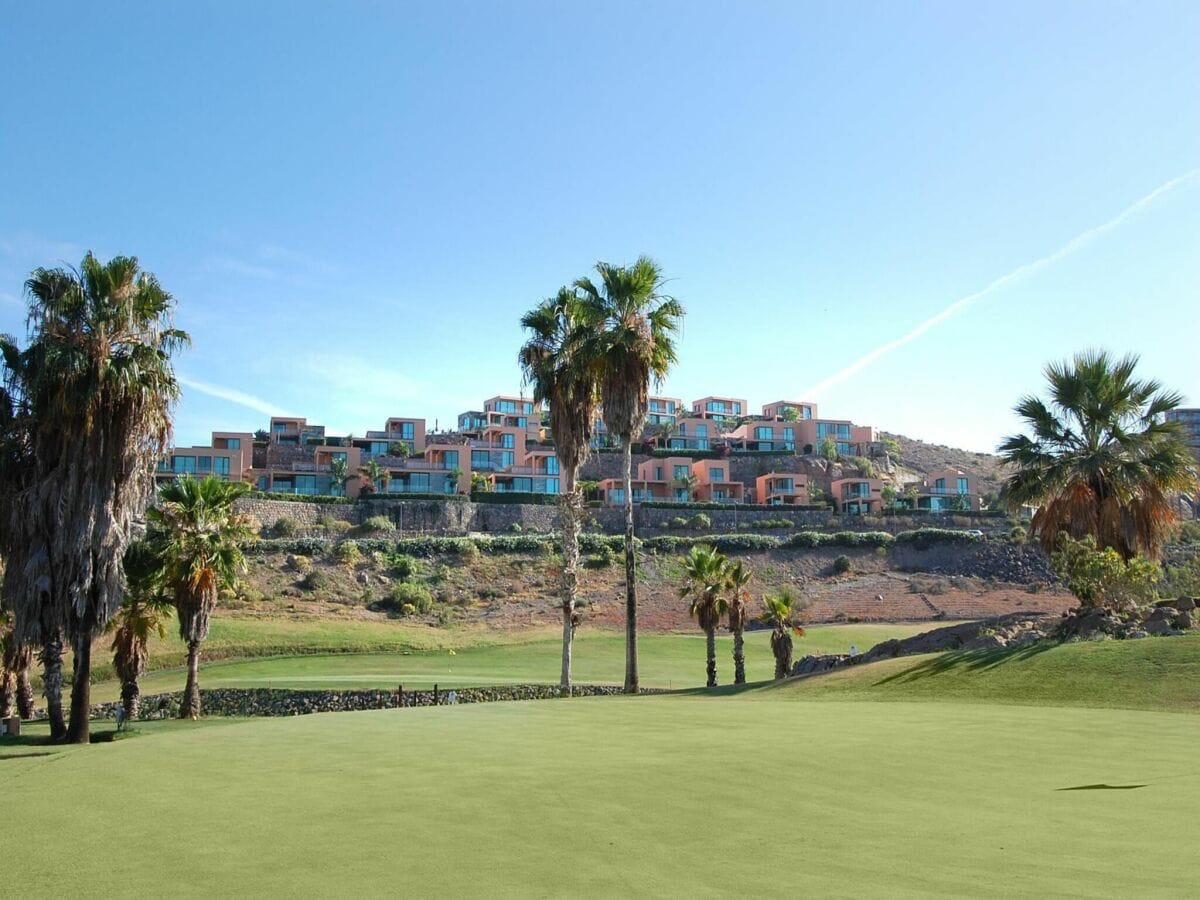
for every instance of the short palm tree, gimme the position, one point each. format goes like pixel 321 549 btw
pixel 632 325
pixel 737 577
pixel 377 476
pixel 688 483
pixel 144 613
pixel 97 382
pixel 780 612
pixel 339 470
pixel 198 537
pixel 704 582
pixel 552 363
pixel 1101 460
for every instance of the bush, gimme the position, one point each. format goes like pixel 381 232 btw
pixel 316 580
pixel 601 559
pixel 1189 533
pixel 286 526
pixel 1017 535
pixel 812 539
pixel 677 522
pixel 770 523
pixel 513 497
pixel 407 598
pixel 298 563
pixel 297 498
pixel 329 523
pixel 700 522
pixel 596 543
pixel 402 565
pixel 347 552
pixel 515 528
pixel 377 523
pixel 924 538
pixel 842 565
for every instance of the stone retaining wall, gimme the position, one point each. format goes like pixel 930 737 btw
pixel 269 702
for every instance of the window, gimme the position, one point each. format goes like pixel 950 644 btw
pixel 552 466
pixel 407 431
pixel 263 482
pixel 701 431
pixel 551 485
pixel 481 459
pixel 508 440
pixel 233 443
pixel 682 472
pixel 522 422
pixel 940 485
pixel 451 460
pixel 506 459
pixel 203 463
pixel 182 464
pixel 737 409
pixel 528 408
pixel 306 484
pixel 221 465
pixel 682 494
pixel 616 495
pixel 279 427
pixel 963 487
pixel 419 481
pixel 379 448
pixel 789 433
pixel 716 474
pixel 336 456
pixel 522 485
pixel 658 470
pixel 764 433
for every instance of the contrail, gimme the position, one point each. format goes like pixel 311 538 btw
pixel 1016 274
pixel 232 396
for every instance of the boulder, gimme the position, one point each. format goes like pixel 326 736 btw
pixel 1157 626
pixel 1184 621
pixel 986 642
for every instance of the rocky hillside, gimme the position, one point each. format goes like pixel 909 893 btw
pixel 917 458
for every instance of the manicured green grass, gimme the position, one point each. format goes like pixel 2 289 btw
pixel 1153 673
pixel 667 660
pixel 659 796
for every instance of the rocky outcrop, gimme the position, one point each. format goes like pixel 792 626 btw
pixel 1090 623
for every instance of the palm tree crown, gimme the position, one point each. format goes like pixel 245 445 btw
pixel 1100 460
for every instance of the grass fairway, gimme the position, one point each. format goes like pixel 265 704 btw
pixel 1153 673
pixel 667 660
pixel 663 796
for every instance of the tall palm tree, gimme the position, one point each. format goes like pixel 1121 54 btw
pixel 737 577
pixel 8 665
pixel 632 325
pixel 143 613
pixel 552 363
pixel 780 611
pixel 98 387
pixel 339 471
pixel 198 537
pixel 704 582
pixel 1101 461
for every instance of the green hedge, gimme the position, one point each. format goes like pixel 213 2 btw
pixel 297 498
pixel 740 507
pixel 811 539
pixel 513 497
pixel 398 498
pixel 923 538
pixel 726 543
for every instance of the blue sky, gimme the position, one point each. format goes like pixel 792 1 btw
pixel 354 202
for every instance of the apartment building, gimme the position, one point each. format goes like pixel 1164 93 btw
pixel 725 410
pixel 230 456
pixel 1189 423
pixel 789 409
pixel 946 490
pixel 781 489
pixel 677 478
pixel 858 496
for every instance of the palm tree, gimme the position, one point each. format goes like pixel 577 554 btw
pixel 1102 460
pixel 737 576
pixel 552 364
pixel 689 483
pixel 377 476
pixel 339 469
pixel 8 665
pixel 704 582
pixel 97 387
pixel 780 611
pixel 631 338
pixel 143 613
pixel 197 536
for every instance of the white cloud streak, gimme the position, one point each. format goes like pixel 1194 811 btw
pixel 1017 274
pixel 231 395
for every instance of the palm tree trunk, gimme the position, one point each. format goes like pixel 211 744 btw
pixel 81 690
pixel 710 642
pixel 568 511
pixel 131 696
pixel 8 691
pixel 52 679
pixel 190 707
pixel 632 685
pixel 24 688
pixel 739 657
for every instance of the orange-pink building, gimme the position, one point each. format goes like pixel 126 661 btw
pixel 856 496
pixel 947 490
pixel 781 488
pixel 780 409
pixel 230 456
pixel 677 478
pixel 726 410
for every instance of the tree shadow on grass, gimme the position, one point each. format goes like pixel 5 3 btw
pixel 1102 787
pixel 966 661
pixel 724 690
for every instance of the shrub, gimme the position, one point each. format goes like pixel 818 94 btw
pixel 1189 533
pixel 1102 577
pixel 329 523
pixel 299 563
pixel 700 522
pixel 402 565
pixel 347 552
pixel 377 523
pixel 924 538
pixel 811 539
pixel 842 565
pixel 286 526
pixel 1017 535
pixel 316 580
pixel 515 528
pixel 413 595
pixel 595 543
pixel 297 498
pixel 601 559
pixel 677 522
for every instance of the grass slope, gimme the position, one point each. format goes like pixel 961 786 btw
pixel 1153 673
pixel 667 660
pixel 661 796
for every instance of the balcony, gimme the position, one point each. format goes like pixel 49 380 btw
pixel 311 467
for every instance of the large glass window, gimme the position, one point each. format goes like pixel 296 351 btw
pixel 233 443
pixel 701 431
pixel 204 463
pixel 407 431
pixel 682 472
pixel 716 474
pixel 764 433
pixel 963 487
pixel 789 433
pixel 481 459
pixel 551 465
pixel 379 448
pixel 940 485
pixel 551 485
pixel 451 459
pixel 306 484
pixel 419 481
pixel 182 464
pixel 221 465
pixel 506 406
pixel 522 485
pixel 508 440
pixel 507 458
